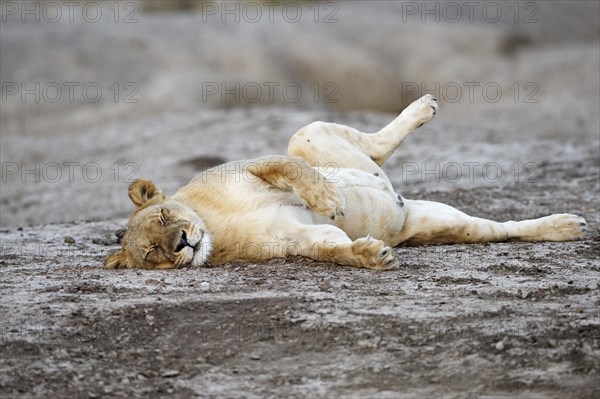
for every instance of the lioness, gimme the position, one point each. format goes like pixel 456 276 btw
pixel 329 200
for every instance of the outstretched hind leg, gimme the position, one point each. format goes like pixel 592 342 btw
pixel 435 223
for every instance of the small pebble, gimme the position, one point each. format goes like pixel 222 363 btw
pixel 204 286
pixel 170 373
pixel 499 345
pixel 69 240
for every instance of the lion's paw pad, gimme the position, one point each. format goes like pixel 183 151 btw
pixel 374 254
pixel 562 227
pixel 422 110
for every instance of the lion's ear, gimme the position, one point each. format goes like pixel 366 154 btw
pixel 142 191
pixel 117 260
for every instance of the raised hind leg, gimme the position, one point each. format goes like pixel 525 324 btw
pixel 323 143
pixel 352 161
pixel 435 223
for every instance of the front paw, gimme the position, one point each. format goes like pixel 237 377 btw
pixel 325 198
pixel 422 110
pixel 374 254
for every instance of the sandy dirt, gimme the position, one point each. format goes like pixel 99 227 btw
pixel 503 319
pixel 517 320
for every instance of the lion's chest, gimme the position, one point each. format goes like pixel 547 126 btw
pixel 258 235
pixel 247 222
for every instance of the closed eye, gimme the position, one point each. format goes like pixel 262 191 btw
pixel 149 251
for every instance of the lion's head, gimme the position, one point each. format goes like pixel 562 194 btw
pixel 161 234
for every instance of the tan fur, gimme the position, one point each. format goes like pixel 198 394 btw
pixel 329 200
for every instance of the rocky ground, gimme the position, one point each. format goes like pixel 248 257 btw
pixel 503 319
pixel 518 320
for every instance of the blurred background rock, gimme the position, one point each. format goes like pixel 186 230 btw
pixel 213 64
pixel 359 55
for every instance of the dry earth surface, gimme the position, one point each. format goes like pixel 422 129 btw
pixel 503 319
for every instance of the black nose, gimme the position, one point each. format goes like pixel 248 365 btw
pixel 183 242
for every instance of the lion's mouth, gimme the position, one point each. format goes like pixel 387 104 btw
pixel 198 244
pixel 201 250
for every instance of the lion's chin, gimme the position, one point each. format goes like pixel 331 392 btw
pixel 202 251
